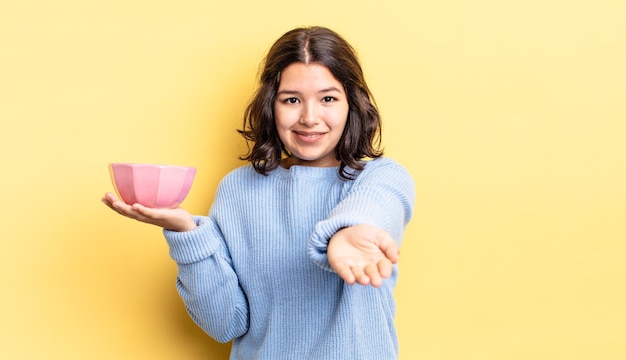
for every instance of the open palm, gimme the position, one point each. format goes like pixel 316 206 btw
pixel 362 254
pixel 172 219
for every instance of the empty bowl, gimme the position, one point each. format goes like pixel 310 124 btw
pixel 154 186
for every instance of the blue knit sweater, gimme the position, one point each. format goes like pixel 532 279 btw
pixel 255 270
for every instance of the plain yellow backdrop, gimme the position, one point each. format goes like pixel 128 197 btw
pixel 511 116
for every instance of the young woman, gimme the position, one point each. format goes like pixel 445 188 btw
pixel 297 257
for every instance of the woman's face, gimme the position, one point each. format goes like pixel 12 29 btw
pixel 310 110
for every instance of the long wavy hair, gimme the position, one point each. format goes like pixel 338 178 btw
pixel 361 138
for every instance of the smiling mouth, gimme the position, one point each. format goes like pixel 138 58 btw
pixel 308 137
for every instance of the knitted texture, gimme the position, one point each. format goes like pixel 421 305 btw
pixel 255 270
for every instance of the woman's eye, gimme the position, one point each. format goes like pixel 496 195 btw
pixel 291 100
pixel 328 99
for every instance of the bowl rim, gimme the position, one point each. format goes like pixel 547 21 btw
pixel 154 165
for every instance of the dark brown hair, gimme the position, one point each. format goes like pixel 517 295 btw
pixel 362 134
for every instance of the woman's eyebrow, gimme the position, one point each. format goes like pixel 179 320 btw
pixel 295 92
pixel 330 89
pixel 288 92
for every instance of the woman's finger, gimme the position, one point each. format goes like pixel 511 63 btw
pixel 385 267
pixel 388 246
pixel 359 275
pixel 345 273
pixel 371 270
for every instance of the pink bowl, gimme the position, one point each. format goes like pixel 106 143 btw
pixel 154 186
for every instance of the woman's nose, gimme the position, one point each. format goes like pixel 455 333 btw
pixel 309 116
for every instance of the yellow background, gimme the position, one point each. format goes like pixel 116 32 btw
pixel 511 115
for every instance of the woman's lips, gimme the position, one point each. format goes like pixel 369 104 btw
pixel 308 137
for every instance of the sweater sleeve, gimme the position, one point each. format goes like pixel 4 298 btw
pixel 207 282
pixel 382 195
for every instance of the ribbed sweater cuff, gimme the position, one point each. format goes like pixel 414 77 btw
pixel 194 245
pixel 324 230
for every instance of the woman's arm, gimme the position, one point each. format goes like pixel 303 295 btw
pixel 207 282
pixel 366 227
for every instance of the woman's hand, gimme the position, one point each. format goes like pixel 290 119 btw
pixel 363 254
pixel 172 219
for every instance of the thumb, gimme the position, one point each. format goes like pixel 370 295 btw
pixel 388 246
